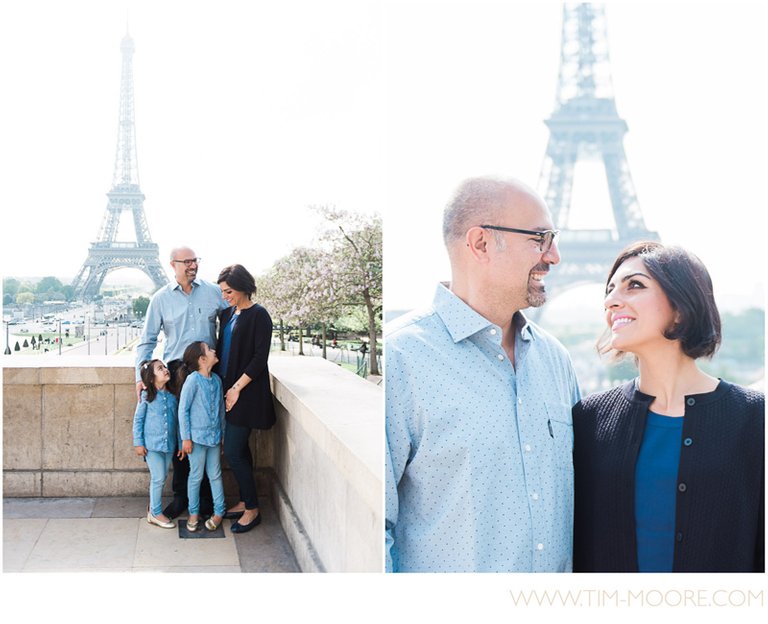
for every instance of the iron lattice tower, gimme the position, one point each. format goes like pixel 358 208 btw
pixel 586 125
pixel 107 253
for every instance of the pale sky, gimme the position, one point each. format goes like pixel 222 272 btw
pixel 246 113
pixel 470 83
pixel 249 112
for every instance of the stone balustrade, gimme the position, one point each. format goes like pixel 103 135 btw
pixel 67 431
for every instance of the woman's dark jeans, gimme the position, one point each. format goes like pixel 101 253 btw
pixel 238 455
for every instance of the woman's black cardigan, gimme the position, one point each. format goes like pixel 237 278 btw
pixel 248 353
pixel 720 503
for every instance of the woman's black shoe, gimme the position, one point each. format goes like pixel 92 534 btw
pixel 233 515
pixel 244 528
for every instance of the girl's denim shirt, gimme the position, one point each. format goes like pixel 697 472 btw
pixel 201 409
pixel 156 424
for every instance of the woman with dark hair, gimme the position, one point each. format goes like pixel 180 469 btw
pixel 669 468
pixel 245 337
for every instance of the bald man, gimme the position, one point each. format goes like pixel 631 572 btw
pixel 185 311
pixel 478 401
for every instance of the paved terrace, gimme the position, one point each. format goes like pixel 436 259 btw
pixel 112 535
pixel 76 494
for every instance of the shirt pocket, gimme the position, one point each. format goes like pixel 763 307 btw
pixel 560 424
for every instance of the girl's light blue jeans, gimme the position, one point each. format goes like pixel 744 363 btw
pixel 208 459
pixel 158 464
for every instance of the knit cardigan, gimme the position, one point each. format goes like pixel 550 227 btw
pixel 720 503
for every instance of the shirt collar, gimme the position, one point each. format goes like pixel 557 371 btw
pixel 462 321
pixel 195 283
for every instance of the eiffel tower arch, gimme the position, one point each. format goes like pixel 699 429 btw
pixel 585 124
pixel 107 253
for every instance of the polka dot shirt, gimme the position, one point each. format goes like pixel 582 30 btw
pixel 479 453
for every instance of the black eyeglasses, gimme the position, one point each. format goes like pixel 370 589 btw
pixel 189 262
pixel 546 237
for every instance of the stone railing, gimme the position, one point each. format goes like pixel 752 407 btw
pixel 67 431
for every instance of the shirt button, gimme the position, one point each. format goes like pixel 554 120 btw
pixel 519 401
pixel 679 536
pixel 527 448
pixel 687 441
pixel 492 332
pixel 691 401
pixel 539 546
pixel 501 357
pixel 535 496
pixel 682 487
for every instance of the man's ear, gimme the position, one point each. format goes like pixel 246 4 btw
pixel 476 241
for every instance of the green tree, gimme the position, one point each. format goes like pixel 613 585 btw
pixel 140 305
pixel 11 286
pixel 25 297
pixel 48 284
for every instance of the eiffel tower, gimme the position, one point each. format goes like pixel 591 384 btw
pixel 586 125
pixel 108 254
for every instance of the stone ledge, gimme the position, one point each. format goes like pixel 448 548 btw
pixel 69 370
pixel 351 431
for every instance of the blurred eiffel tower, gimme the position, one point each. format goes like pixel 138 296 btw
pixel 108 254
pixel 585 125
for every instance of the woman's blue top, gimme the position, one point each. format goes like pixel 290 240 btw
pixel 656 492
pixel 155 424
pixel 226 342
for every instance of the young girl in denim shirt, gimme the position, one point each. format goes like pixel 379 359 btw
pixel 155 432
pixel 201 425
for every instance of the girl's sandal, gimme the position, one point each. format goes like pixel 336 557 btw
pixel 211 525
pixel 192 526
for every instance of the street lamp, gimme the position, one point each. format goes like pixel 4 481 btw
pixel 7 345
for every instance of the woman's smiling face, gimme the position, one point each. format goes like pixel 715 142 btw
pixel 637 310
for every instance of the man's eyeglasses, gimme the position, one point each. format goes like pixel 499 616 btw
pixel 546 237
pixel 189 262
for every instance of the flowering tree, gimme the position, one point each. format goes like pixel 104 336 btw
pixel 286 290
pixel 319 285
pixel 269 294
pixel 356 251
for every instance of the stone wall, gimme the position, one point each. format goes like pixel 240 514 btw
pixel 67 431
pixel 329 458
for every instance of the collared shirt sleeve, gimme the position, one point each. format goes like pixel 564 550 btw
pixel 153 324
pixel 399 408
pixel 392 479
pixel 187 397
pixel 139 417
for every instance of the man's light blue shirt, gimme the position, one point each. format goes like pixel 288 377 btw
pixel 479 453
pixel 183 318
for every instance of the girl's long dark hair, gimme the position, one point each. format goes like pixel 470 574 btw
pixel 147 373
pixel 190 362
